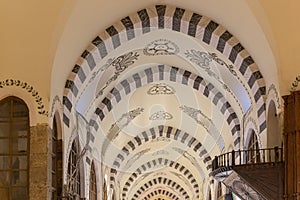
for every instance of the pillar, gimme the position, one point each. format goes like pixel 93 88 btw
pixel 38 162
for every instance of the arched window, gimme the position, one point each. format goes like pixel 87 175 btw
pixel 209 195
pixel 14 149
pixel 93 183
pixel 104 191
pixel 253 155
pixel 73 174
pixel 56 155
pixel 219 190
pixel 114 196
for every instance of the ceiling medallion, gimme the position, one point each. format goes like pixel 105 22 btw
pixel 161 115
pixel 161 47
pixel 161 88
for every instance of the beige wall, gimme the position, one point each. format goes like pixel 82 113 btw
pixel 38 162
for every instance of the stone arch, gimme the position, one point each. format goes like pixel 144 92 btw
pixel 164 192
pixel 173 74
pixel 166 17
pixel 161 162
pixel 163 181
pixel 160 131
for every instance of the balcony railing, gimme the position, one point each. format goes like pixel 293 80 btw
pixel 248 157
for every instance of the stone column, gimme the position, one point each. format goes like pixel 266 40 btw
pixel 292 145
pixel 38 162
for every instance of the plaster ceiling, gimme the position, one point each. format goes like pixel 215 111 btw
pixel 161 106
pixel 50 37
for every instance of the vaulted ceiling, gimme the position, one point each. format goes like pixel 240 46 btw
pixel 160 88
pixel 163 90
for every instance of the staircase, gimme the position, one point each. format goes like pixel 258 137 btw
pixel 251 174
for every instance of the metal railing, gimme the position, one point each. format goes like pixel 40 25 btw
pixel 247 157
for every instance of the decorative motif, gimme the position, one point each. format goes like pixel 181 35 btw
pixel 161 47
pixel 123 121
pixel 295 84
pixel 182 178
pixel 120 63
pixel 28 88
pixel 161 88
pixel 161 139
pixel 55 99
pixel 101 69
pixel 161 174
pixel 201 58
pixel 273 88
pixel 161 115
pixel 251 119
pixel 136 157
pixel 198 116
pixel 160 152
pixel 231 69
pixel 206 123
pixel 204 59
pixel 141 179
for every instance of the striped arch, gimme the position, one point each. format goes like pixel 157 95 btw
pixel 163 192
pixel 173 74
pixel 167 17
pixel 151 134
pixel 164 163
pixel 161 181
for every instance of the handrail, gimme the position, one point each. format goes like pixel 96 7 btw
pixel 246 157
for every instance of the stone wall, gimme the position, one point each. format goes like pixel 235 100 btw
pixel 38 162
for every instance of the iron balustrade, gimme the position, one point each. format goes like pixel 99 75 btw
pixel 248 157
